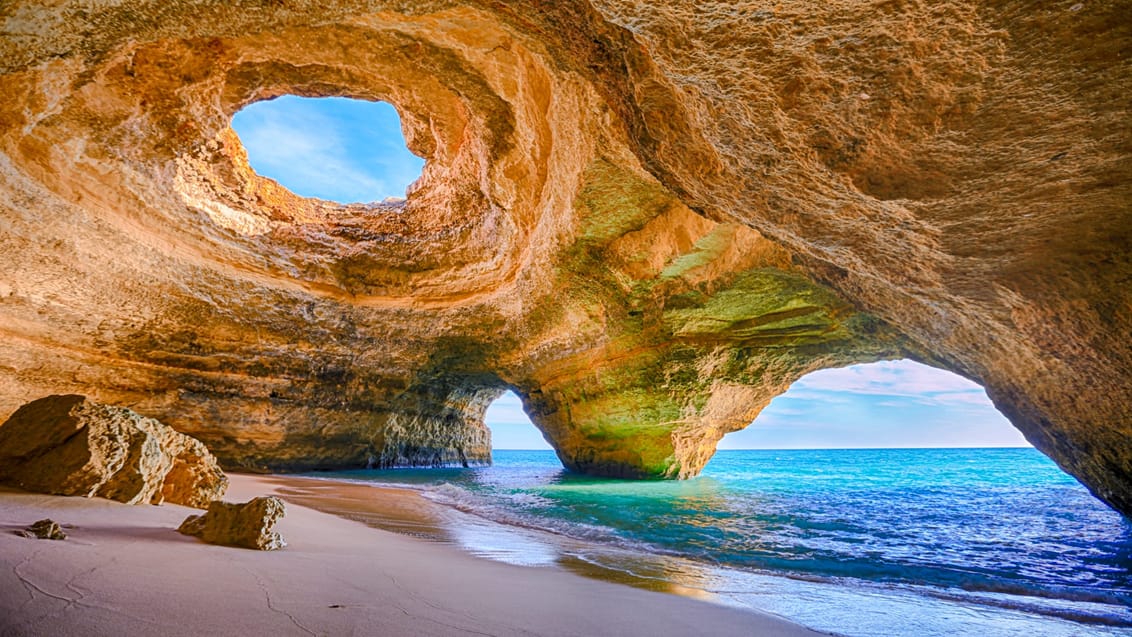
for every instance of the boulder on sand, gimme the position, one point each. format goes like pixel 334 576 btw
pixel 249 525
pixel 69 445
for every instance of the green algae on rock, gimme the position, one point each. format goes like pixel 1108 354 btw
pixel 644 223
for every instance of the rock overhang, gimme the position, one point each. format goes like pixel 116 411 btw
pixel 591 227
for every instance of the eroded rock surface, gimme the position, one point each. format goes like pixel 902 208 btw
pixel 45 529
pixel 68 445
pixel 249 525
pixel 646 219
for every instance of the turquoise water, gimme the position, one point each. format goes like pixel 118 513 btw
pixel 859 542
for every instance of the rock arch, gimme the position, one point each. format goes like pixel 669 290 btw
pixel 629 214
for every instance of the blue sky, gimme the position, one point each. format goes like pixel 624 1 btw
pixel 510 426
pixel 887 404
pixel 353 151
pixel 332 148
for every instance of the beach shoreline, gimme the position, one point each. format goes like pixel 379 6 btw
pixel 527 512
pixel 405 510
pixel 124 570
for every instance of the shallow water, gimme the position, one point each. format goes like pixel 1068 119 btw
pixel 858 542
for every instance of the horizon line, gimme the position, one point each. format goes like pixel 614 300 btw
pixel 820 448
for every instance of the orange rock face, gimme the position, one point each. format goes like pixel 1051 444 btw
pixel 69 445
pixel 646 219
pixel 248 524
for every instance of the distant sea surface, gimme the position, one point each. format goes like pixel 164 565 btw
pixel 855 542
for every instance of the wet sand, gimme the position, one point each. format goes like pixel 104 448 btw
pixel 125 570
pixel 407 512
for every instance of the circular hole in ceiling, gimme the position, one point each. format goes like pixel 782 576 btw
pixel 333 148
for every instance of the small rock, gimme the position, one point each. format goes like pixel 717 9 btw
pixel 45 529
pixel 249 525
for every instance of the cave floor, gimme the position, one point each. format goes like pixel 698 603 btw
pixel 124 570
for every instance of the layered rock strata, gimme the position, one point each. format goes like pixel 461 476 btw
pixel 646 220
pixel 68 445
pixel 249 525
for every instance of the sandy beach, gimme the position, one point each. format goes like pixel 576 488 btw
pixel 124 570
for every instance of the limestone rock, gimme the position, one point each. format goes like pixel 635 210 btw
pixel 69 445
pixel 645 218
pixel 46 529
pixel 249 525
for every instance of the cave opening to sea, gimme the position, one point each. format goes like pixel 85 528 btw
pixel 891 485
pixel 333 148
pixel 511 427
pixel 887 404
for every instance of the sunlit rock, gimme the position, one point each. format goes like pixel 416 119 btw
pixel 645 222
pixel 68 445
pixel 249 524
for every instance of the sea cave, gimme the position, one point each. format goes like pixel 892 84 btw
pixel 645 222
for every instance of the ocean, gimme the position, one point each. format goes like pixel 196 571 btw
pixel 854 542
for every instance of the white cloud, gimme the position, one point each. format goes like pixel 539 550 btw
pixel 507 410
pixel 890 404
pixel 306 152
pixel 510 426
pixel 823 395
pixel 903 378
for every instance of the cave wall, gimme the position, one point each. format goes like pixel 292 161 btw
pixel 646 219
